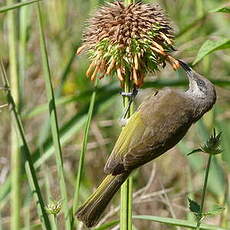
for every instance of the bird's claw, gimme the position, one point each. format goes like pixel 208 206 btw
pixel 132 94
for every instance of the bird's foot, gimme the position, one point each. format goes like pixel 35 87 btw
pixel 132 94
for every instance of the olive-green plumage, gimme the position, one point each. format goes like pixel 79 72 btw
pixel 160 123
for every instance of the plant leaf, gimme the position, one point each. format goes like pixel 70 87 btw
pixel 195 151
pixel 215 211
pixel 178 222
pixel 221 9
pixel 17 5
pixel 194 206
pixel 210 46
pixel 108 225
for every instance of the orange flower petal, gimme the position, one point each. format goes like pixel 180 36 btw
pixel 158 51
pixel 80 50
pixel 119 74
pixel 90 69
pixel 158 46
pixel 111 65
pixel 173 62
pixel 136 64
pixel 95 73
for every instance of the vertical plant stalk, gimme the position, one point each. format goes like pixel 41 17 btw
pixel 126 188
pixel 54 121
pixel 204 191
pixel 55 224
pixel 15 153
pixel 82 154
pixel 23 25
pixel 30 171
pixel 48 193
pixel 199 8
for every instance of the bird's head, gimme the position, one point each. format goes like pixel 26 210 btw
pixel 199 86
pixel 200 89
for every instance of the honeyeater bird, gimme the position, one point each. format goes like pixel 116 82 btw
pixel 159 123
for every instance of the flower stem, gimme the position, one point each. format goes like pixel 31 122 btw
pixel 53 120
pixel 15 153
pixel 204 192
pixel 82 154
pixel 126 188
pixel 54 217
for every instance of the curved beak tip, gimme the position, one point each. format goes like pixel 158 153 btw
pixel 184 65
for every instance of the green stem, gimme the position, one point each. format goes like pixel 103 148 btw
pixel 126 188
pixel 23 25
pixel 30 171
pixel 199 8
pixel 83 150
pixel 15 153
pixel 55 222
pixel 53 121
pixel 204 191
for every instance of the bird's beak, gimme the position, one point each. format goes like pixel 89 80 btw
pixel 187 69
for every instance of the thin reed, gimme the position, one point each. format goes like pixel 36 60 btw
pixel 58 128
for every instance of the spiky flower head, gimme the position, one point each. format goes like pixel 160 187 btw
pixel 128 41
pixel 54 207
pixel 211 146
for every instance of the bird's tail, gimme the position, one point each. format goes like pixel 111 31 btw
pixel 90 212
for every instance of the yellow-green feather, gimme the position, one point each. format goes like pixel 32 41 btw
pixel 131 133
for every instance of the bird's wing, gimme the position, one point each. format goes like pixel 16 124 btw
pixel 165 125
pixel 134 129
pixel 143 138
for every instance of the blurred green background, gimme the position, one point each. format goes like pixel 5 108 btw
pixel 161 187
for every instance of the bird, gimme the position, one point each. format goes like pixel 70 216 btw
pixel 159 123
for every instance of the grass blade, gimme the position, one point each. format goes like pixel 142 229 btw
pixel 23 33
pixel 5 189
pixel 108 225
pixel 83 150
pixel 159 83
pixel 15 6
pixel 53 120
pixel 29 164
pixel 72 126
pixel 177 222
pixel 221 10
pixel 15 153
pixel 210 46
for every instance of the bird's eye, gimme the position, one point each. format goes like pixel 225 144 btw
pixel 200 83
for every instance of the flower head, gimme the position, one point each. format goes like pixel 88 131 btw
pixel 128 41
pixel 54 207
pixel 212 145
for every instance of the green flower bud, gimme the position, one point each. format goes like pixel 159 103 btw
pixel 54 207
pixel 212 145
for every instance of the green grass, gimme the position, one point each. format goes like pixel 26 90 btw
pixel 83 152
pixel 65 126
